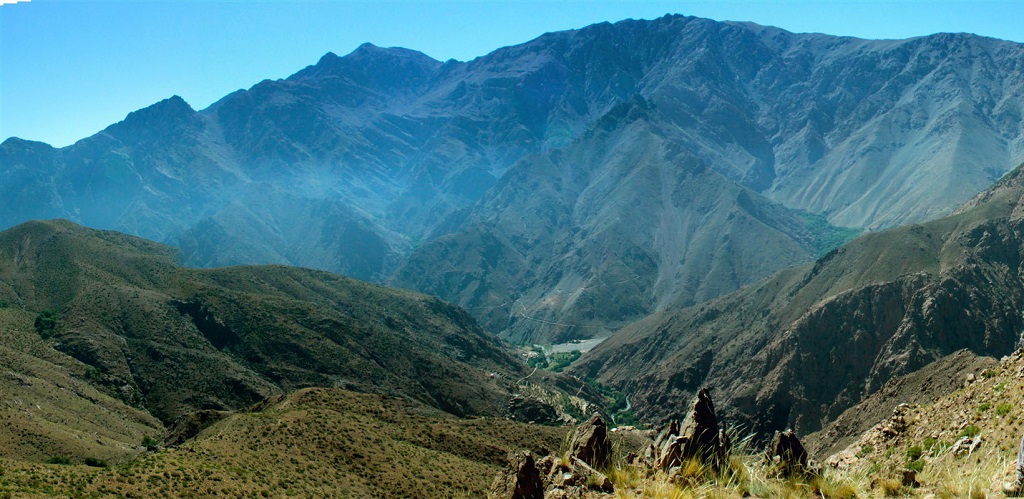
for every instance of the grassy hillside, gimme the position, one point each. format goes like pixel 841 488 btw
pixel 312 443
pixel 50 409
pixel 925 437
pixel 106 336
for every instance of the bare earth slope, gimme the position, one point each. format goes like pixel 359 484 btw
pixel 609 229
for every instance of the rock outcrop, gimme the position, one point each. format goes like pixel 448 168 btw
pixel 698 437
pixel 575 475
pixel 531 410
pixel 590 443
pixel 519 480
pixel 787 454
pixel 688 453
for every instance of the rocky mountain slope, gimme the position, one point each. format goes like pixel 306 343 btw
pixel 570 248
pixel 356 162
pixel 799 348
pixel 104 333
pixel 932 382
pixel 961 444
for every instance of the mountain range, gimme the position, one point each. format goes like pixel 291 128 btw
pixel 799 348
pixel 563 187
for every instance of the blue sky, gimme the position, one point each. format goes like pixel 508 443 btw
pixel 70 68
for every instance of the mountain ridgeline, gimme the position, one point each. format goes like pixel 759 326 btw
pixel 799 348
pixel 558 188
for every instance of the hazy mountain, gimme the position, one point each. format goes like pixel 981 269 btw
pixel 800 347
pixel 354 162
pixel 578 242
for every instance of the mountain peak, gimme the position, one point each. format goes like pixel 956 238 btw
pixel 370 51
pixel 20 143
pixel 366 46
pixel 172 106
pixel 328 58
pixel 169 114
pixel 373 66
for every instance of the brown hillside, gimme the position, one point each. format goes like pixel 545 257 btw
pixel 312 443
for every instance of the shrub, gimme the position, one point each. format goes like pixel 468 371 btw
pixel 970 431
pixel 1003 409
pixel 984 407
pixel 58 460
pixel 148 441
pixel 46 324
pixel 94 462
pixel 914 453
pixel 865 450
pixel 916 465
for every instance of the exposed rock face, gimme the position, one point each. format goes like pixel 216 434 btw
pixel 799 348
pixel 590 443
pixel 519 480
pixel 575 479
pixel 701 431
pixel 538 257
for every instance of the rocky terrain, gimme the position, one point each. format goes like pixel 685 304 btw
pixel 799 348
pixel 963 444
pixel 379 163
pixel 934 381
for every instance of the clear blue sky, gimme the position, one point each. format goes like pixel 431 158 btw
pixel 70 68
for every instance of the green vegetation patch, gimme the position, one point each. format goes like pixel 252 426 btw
pixel 827 237
pixel 46 324
pixel 1003 409
pixel 559 361
pixel 970 431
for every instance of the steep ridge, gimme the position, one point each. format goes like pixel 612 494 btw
pixel 171 340
pixel 797 349
pixel 402 149
pixel 565 247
